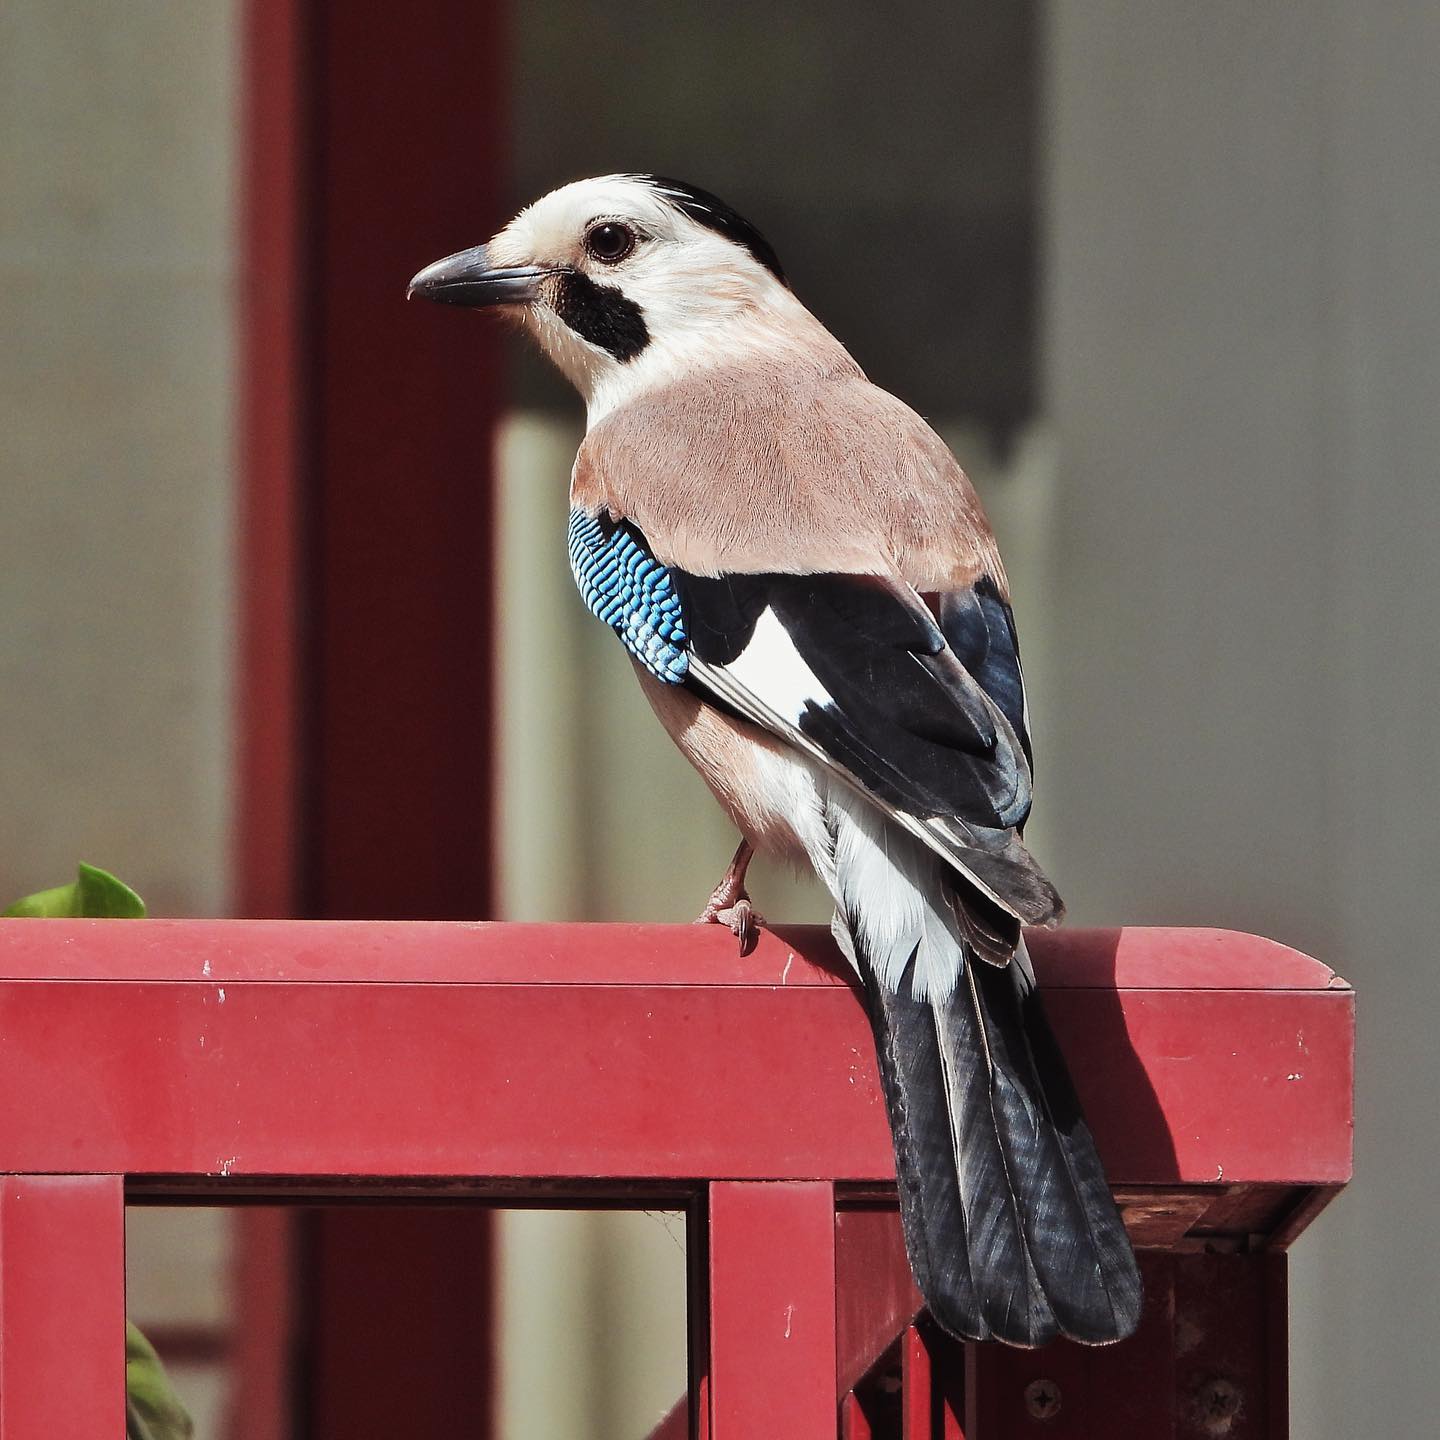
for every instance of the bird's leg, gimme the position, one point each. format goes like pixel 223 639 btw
pixel 731 889
pixel 729 904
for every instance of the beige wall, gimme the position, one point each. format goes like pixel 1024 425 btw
pixel 1244 367
pixel 116 375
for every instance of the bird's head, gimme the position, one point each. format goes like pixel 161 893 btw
pixel 625 281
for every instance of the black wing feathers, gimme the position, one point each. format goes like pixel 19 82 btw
pixel 897 710
pixel 980 628
pixel 720 613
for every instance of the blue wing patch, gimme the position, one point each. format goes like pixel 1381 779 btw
pixel 631 591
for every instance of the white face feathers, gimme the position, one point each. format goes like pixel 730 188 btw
pixel 628 281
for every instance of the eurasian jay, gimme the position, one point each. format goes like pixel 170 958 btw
pixel 817 611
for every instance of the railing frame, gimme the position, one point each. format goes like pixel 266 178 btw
pixel 158 1062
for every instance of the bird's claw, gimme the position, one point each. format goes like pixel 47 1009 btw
pixel 740 919
pixel 729 905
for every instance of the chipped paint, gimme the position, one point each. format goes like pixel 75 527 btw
pixel 785 973
pixel 789 1316
pixel 221 993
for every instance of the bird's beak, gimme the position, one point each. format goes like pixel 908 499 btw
pixel 467 278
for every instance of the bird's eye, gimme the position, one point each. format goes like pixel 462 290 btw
pixel 609 242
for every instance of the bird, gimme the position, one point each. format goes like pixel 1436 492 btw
pixel 816 608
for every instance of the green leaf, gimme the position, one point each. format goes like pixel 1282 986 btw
pixel 152 1409
pixel 95 894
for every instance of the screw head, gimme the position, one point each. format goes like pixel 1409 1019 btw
pixel 1217 1403
pixel 1042 1398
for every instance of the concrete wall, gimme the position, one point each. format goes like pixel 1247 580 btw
pixel 116 264
pixel 1243 352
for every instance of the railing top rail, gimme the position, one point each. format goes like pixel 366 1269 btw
pixel 505 953
pixel 571 1054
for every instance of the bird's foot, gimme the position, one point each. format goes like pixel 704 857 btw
pixel 740 919
pixel 729 904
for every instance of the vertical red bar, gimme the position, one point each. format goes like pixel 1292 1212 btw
pixel 273 403
pixel 400 1343
pixel 262 1326
pixel 932 1384
pixel 697 1299
pixel 875 1293
pixel 374 141
pixel 916 1390
pixel 411 160
pixel 62 1307
pixel 854 1423
pixel 772 1311
pixel 947 1358
pixel 1277 1342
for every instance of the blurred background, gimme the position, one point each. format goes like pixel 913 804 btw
pixel 276 549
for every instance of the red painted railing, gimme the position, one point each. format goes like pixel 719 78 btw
pixel 642 1065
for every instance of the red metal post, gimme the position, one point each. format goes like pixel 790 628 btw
pixel 273 397
pixel 374 140
pixel 402 1344
pixel 932 1391
pixel 275 401
pixel 875 1293
pixel 62 1307
pixel 1276 1375
pixel 854 1423
pixel 948 1362
pixel 916 1385
pixel 410 115
pixel 693 1412
pixel 772 1311
pixel 262 1338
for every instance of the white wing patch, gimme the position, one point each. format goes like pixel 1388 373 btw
pixel 773 670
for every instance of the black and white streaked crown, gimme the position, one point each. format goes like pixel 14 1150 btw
pixel 713 213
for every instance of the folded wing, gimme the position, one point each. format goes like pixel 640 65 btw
pixel 921 709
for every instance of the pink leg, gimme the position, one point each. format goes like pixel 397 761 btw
pixel 729 904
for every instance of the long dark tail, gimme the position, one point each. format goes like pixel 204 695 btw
pixel 1009 1222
